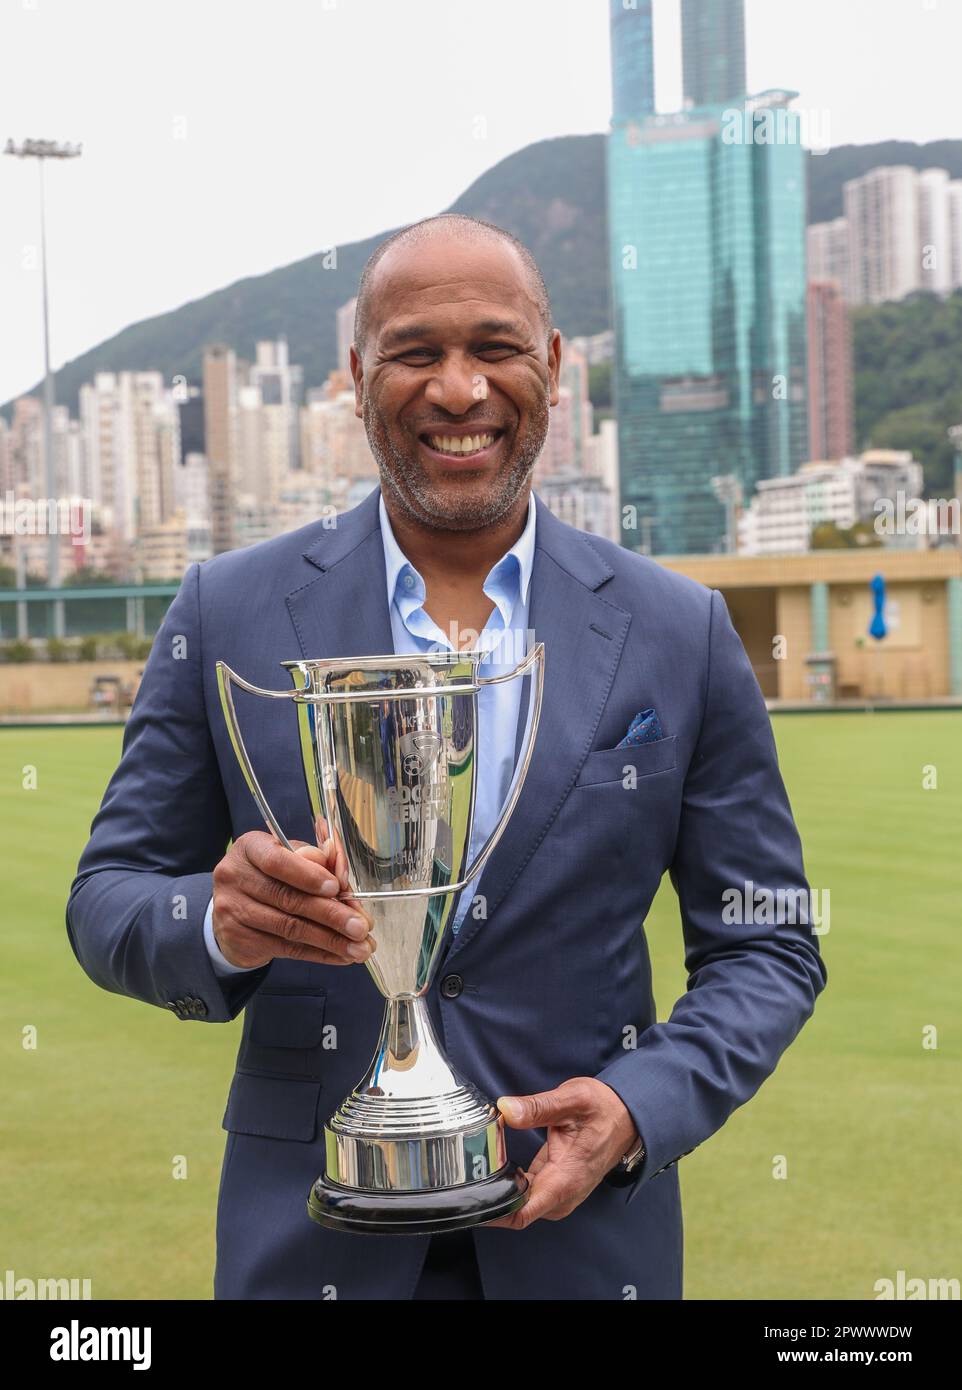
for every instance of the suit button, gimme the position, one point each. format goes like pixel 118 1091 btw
pixel 197 1007
pixel 451 986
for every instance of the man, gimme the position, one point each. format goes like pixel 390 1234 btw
pixel 654 754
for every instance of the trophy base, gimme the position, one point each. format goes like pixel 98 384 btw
pixel 428 1212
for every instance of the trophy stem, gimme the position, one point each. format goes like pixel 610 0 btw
pixel 414 1148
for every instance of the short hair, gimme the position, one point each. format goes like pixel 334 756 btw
pixel 467 228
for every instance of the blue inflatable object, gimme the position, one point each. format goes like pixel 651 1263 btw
pixel 877 628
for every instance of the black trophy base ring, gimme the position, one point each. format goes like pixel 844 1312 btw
pixel 418 1213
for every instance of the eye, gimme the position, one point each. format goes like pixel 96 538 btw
pixel 499 350
pixel 416 353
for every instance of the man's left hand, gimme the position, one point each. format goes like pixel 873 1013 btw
pixel 589 1132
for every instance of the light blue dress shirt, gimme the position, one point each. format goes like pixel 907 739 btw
pixel 505 636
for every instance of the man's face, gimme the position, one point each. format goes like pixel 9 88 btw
pixel 456 381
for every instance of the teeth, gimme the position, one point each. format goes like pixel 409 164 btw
pixel 470 444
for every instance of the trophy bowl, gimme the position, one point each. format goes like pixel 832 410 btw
pixel 389 748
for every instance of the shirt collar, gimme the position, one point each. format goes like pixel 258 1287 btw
pixel 508 573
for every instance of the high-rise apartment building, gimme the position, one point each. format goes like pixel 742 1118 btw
pixel 333 440
pixel 882 212
pixel 827 249
pixel 902 232
pixel 831 423
pixel 570 424
pixel 954 197
pixel 221 441
pixel 131 447
pixel 935 246
pixel 7 479
pixel 281 388
pixel 26 446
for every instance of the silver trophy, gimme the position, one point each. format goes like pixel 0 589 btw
pixel 389 745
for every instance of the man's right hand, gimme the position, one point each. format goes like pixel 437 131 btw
pixel 269 902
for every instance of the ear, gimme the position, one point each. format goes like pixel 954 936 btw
pixel 357 372
pixel 554 365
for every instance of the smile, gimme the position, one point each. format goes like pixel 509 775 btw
pixel 460 446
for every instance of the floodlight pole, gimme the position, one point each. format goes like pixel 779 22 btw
pixel 41 150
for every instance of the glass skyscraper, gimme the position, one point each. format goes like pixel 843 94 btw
pixel 706 215
pixel 713 51
pixel 632 59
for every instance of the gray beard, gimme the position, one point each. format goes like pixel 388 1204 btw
pixel 425 505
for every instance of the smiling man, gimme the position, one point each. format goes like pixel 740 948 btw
pixel 654 754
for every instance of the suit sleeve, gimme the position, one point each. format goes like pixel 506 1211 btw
pixel 135 915
pixel 753 976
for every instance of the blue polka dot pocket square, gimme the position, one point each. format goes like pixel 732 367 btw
pixel 644 728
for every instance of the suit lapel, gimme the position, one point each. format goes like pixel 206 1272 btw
pixel 584 635
pixel 342 610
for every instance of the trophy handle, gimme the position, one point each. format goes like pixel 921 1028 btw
pixel 225 676
pixel 534 658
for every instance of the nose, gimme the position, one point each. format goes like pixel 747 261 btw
pixel 455 383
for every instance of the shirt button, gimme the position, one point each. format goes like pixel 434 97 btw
pixel 451 986
pixel 409 581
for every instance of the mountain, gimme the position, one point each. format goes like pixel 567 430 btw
pixel 552 195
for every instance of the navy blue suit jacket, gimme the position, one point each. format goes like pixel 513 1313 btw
pixel 556 979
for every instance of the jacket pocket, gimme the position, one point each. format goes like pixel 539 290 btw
pixel 272 1108
pixel 284 1033
pixel 609 764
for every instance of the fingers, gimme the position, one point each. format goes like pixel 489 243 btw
pixel 277 862
pixel 566 1102
pixel 291 898
pixel 269 902
pixel 340 862
pixel 251 948
pixel 343 917
pixel 297 932
pixel 551 1197
pixel 329 843
pixel 317 854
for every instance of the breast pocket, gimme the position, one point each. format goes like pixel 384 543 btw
pixel 616 764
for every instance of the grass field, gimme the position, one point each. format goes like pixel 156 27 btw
pixel 867 1119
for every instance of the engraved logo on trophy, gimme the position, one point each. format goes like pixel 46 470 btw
pixel 420 750
pixel 423 792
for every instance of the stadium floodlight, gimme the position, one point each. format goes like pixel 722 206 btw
pixel 42 150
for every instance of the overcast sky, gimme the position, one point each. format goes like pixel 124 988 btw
pixel 223 138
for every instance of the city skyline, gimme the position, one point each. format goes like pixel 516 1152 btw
pixel 178 125
pixel 271 458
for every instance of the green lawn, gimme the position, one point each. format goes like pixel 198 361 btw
pixel 867 1119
